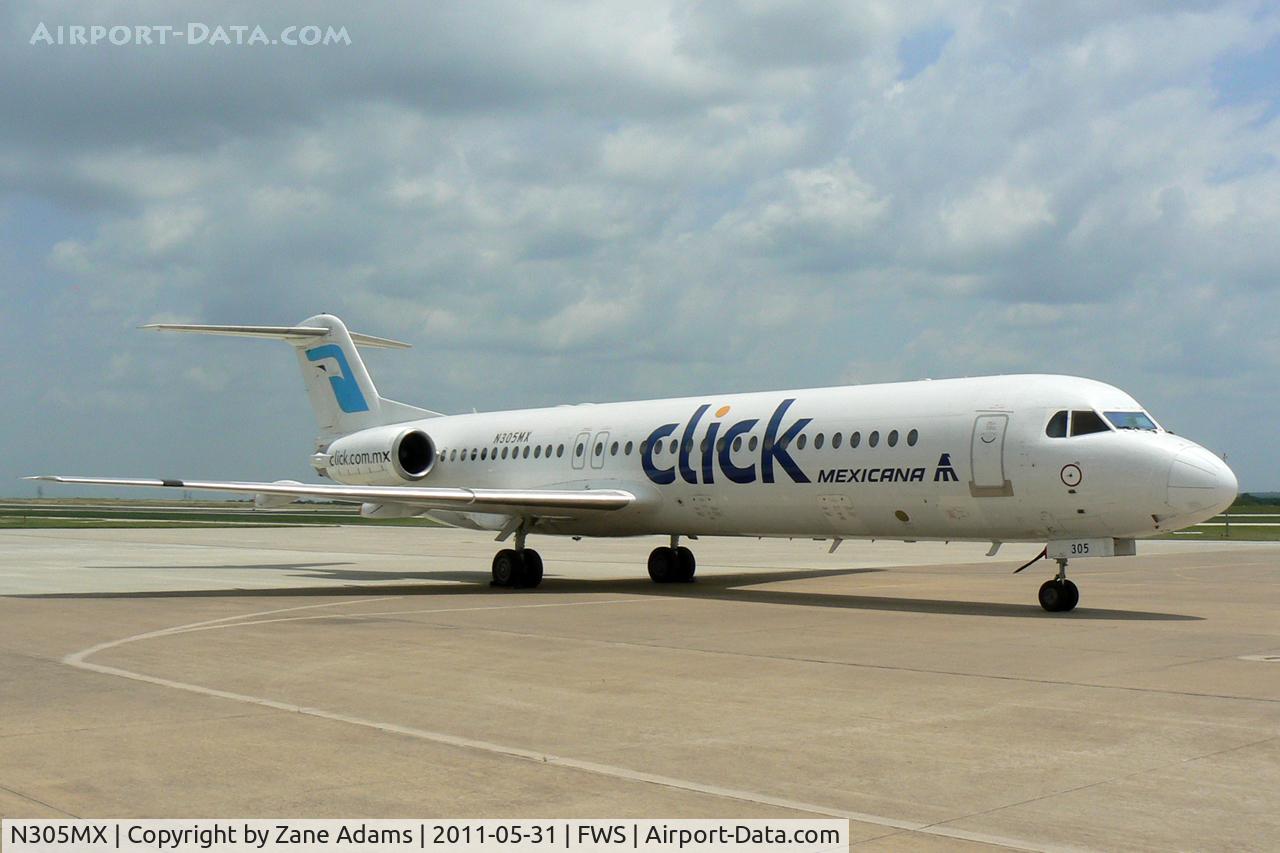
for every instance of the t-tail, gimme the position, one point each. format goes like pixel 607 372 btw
pixel 342 393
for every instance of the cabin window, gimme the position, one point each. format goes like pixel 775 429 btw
pixel 721 444
pixel 893 438
pixel 855 439
pixel 626 451
pixel 675 445
pixel 599 447
pixel 835 441
pixel 453 454
pixel 818 441
pixel 644 447
pixel 526 451
pixel 537 452
pixel 912 438
pixel 484 454
pixel 504 452
pixel 702 448
pixel 1132 420
pixel 559 450
pixel 1057 427
pixel 874 438
pixel 1086 422
pixel 474 453
pixel 737 442
pixel 802 441
pixel 752 443
pixel 613 451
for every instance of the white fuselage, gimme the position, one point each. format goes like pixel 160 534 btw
pixel 944 459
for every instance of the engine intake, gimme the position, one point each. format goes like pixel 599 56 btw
pixel 414 453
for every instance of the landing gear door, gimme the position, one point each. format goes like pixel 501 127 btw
pixel 986 449
pixel 580 445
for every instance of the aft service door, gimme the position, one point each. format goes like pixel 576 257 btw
pixel 987 457
pixel 580 449
pixel 598 449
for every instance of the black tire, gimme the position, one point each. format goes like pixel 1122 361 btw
pixel 1072 596
pixel 1055 596
pixel 662 565
pixel 532 567
pixel 507 568
pixel 686 565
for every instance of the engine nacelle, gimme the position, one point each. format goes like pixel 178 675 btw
pixel 381 456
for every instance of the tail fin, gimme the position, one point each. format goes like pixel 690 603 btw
pixel 342 393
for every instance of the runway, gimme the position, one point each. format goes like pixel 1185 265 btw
pixel 916 689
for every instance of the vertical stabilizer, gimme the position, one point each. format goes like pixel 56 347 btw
pixel 341 391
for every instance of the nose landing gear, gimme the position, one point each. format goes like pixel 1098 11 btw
pixel 1059 595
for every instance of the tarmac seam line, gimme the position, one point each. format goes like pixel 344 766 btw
pixel 38 801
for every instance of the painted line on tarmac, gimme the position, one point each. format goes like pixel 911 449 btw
pixel 77 658
pixel 79 661
pixel 377 613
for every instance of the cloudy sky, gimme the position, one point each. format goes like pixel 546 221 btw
pixel 599 201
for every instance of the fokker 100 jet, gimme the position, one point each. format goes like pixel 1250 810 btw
pixel 1069 462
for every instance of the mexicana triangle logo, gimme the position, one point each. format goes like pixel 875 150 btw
pixel 945 472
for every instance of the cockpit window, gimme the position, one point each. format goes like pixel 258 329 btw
pixel 1086 422
pixel 1057 427
pixel 1131 420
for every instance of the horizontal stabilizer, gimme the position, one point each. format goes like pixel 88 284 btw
pixel 292 334
pixel 339 387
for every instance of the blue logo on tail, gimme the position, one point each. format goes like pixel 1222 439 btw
pixel 345 388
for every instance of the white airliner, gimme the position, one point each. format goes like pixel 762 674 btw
pixel 1070 462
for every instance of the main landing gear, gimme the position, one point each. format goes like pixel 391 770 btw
pixel 672 564
pixel 517 567
pixel 1059 595
pixel 521 567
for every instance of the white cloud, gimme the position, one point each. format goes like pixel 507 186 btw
pixel 830 207
pixel 995 215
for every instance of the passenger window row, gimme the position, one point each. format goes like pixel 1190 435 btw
pixel 801 442
pixel 484 453
pixel 837 440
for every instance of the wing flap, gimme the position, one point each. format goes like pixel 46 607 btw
pixel 515 501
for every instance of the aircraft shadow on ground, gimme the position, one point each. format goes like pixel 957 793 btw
pixel 738 588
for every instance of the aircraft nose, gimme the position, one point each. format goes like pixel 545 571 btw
pixel 1200 482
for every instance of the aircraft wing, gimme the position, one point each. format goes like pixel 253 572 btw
pixel 544 502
